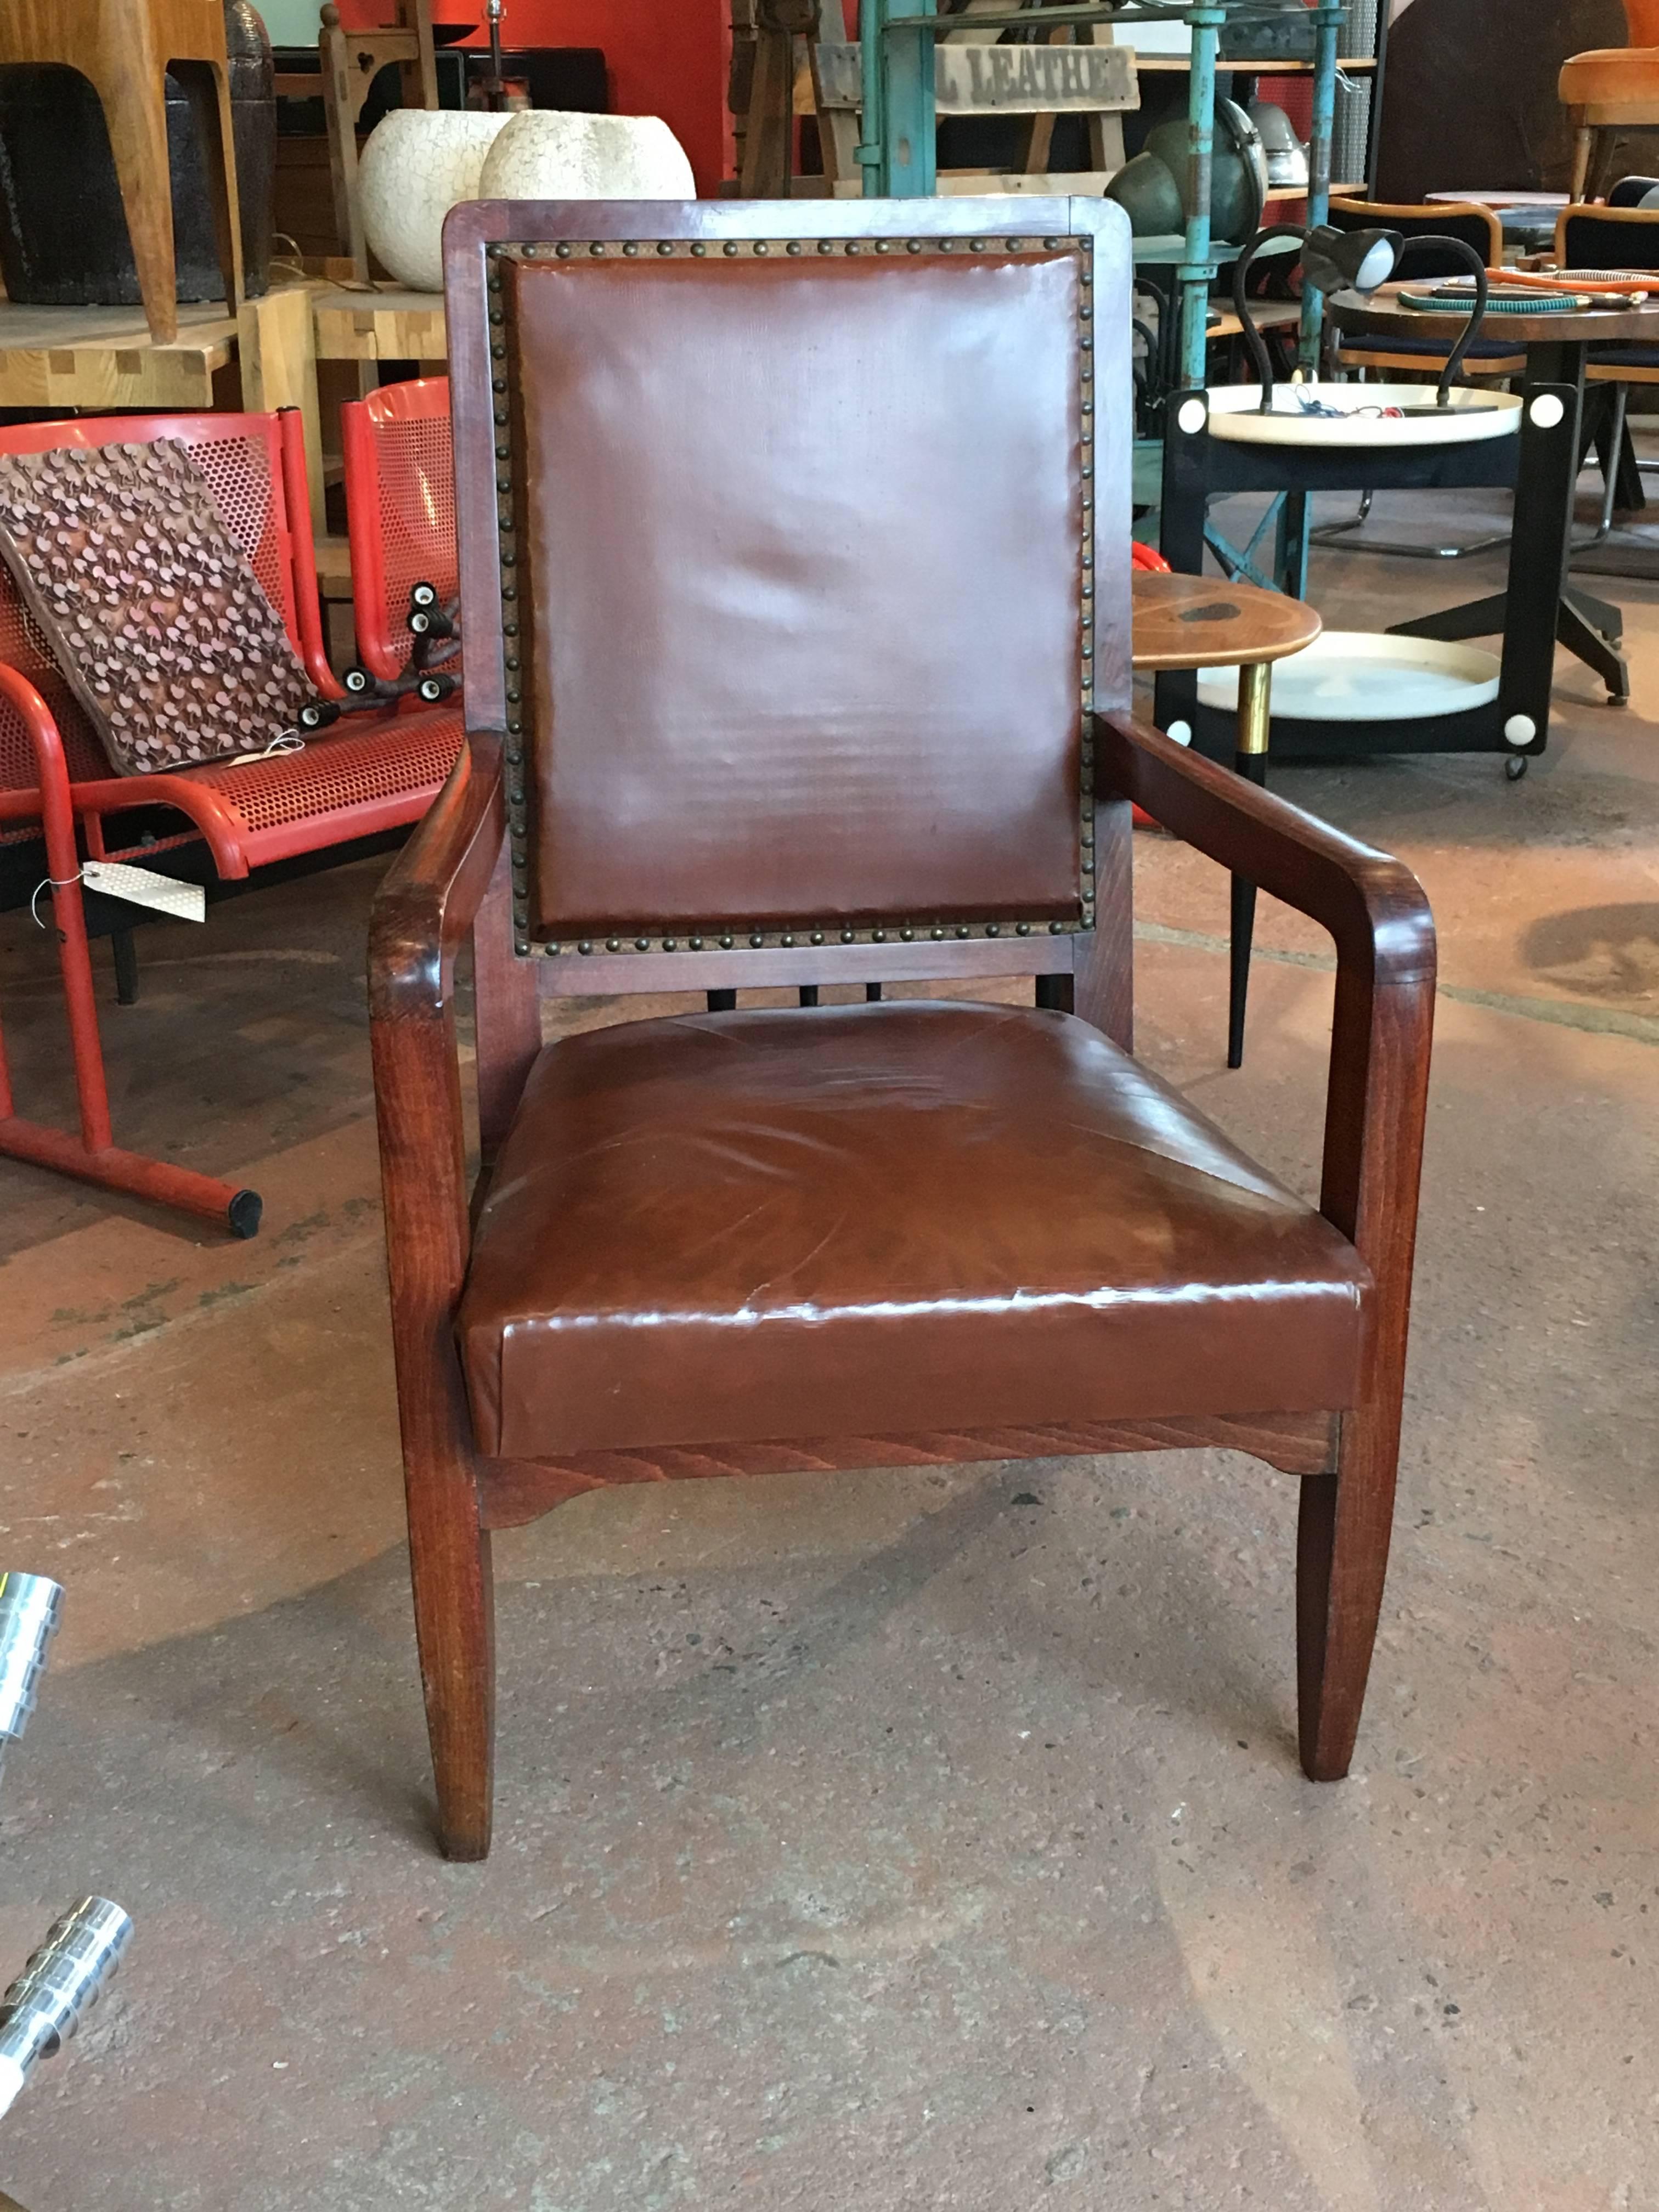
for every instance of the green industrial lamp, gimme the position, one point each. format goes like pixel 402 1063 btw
pixel 1150 193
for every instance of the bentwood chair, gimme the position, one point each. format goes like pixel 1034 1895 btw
pixel 714 744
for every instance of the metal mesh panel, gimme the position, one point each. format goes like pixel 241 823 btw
pixel 404 755
pixel 417 516
pixel 23 647
pixel 238 471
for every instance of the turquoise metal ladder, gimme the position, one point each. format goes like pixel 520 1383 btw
pixel 898 135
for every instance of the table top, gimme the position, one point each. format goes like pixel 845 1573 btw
pixel 1203 622
pixel 1486 197
pixel 1382 316
pixel 380 322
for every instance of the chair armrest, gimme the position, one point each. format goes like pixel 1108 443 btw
pixel 1383 1021
pixel 431 897
pixel 1372 905
pixel 424 911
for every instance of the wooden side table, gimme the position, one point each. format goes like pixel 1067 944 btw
pixel 1202 621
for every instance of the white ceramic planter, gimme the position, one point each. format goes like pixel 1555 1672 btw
pixel 553 154
pixel 418 163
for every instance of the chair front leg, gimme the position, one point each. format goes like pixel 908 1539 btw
pixel 1343 1532
pixel 453 1581
pixel 1374 1147
pixel 417 1089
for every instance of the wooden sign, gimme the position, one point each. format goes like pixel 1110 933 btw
pixel 985 80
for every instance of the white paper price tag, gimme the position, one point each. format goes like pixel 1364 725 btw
pixel 144 887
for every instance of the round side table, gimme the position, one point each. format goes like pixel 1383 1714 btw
pixel 1204 622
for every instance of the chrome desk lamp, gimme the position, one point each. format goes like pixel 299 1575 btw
pixel 67 1975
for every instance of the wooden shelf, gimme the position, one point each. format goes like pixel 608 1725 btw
pixel 385 324
pixel 1266 314
pixel 1180 65
pixel 1278 193
pixel 106 357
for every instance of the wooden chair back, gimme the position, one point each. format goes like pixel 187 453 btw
pixel 797 679
pixel 1465 220
pixel 1608 238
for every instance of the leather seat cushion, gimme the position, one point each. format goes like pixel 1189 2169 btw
pixel 874 1220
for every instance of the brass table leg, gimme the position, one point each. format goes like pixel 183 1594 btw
pixel 1254 718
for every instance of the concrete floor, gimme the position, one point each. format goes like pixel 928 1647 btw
pixel 921 1839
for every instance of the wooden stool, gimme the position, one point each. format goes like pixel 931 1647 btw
pixel 1613 88
pixel 125 49
pixel 1202 621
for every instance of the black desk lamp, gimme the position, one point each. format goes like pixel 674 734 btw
pixel 1353 260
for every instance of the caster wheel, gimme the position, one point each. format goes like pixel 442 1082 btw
pixel 433 689
pixel 422 595
pixel 319 714
pixel 1515 767
pixel 357 681
pixel 419 622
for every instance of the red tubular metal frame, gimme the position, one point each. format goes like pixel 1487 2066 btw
pixel 400 512
pixel 400 761
pixel 94 1156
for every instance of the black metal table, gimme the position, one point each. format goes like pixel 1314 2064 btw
pixel 1558 349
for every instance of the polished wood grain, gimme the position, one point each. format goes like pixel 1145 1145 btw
pixel 125 49
pixel 449 885
pixel 1203 622
pixel 1375 1106
pixel 424 914
pixel 517 1490
pixel 1381 316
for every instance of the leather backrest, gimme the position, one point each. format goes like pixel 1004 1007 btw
pixel 1595 238
pixel 797 547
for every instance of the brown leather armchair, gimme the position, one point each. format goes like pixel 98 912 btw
pixel 795 558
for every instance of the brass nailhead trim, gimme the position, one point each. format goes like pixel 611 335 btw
pixel 730 249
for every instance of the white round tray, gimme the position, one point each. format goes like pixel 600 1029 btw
pixel 1233 416
pixel 1362 676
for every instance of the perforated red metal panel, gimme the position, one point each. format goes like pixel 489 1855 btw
pixel 418 517
pixel 238 471
pixel 402 756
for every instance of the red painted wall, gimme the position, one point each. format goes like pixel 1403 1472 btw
pixel 666 57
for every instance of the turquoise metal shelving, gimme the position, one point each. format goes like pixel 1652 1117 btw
pixel 896 39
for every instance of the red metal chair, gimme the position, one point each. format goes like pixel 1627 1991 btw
pixel 371 773
pixel 400 513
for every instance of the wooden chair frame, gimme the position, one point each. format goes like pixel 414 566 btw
pixel 451 887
